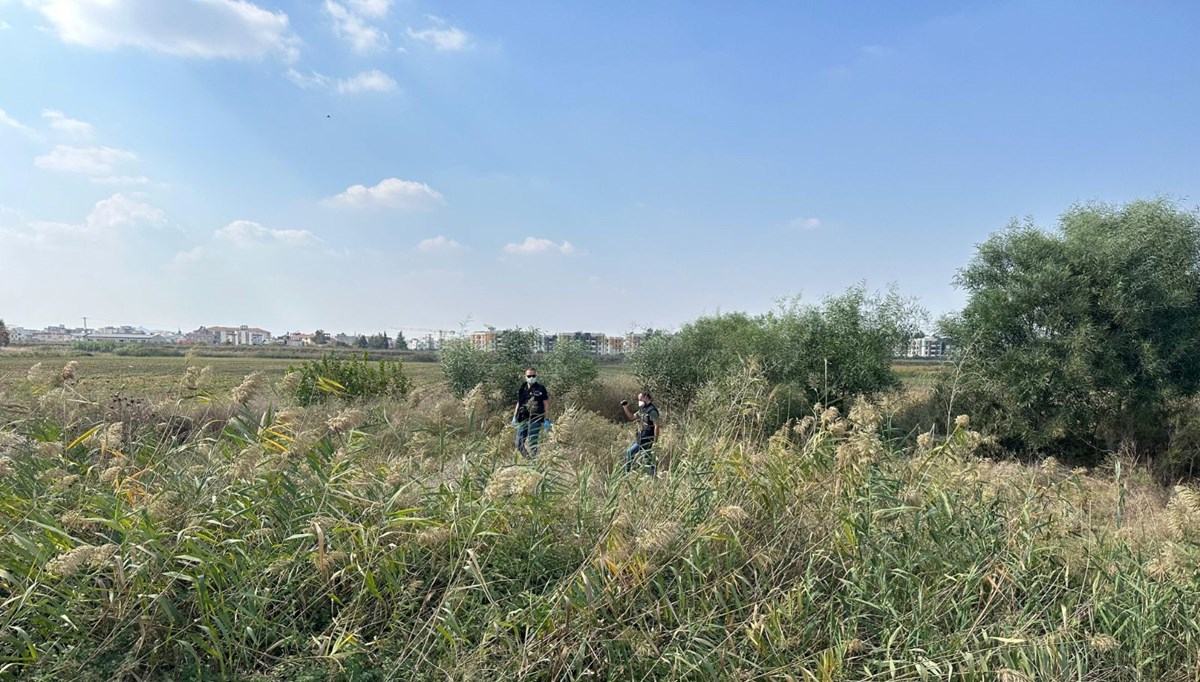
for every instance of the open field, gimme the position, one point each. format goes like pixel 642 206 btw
pixel 402 539
pixel 102 376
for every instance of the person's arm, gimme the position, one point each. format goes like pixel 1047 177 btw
pixel 629 414
pixel 546 409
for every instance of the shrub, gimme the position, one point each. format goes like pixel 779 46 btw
pixel 569 367
pixel 498 370
pixel 349 378
pixel 464 366
pixel 1081 338
pixel 603 396
pixel 140 351
pixel 830 352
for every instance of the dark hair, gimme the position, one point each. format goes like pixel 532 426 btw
pixel 647 394
pixel 531 369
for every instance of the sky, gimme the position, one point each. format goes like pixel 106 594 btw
pixel 372 165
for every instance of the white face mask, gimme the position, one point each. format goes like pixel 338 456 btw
pixel 641 403
pixel 531 380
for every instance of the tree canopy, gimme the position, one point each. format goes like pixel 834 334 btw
pixel 1083 334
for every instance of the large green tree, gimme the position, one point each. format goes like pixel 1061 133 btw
pixel 1083 336
pixel 4 337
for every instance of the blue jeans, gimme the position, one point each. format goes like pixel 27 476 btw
pixel 646 448
pixel 529 431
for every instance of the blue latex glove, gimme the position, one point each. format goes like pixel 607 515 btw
pixel 514 421
pixel 546 424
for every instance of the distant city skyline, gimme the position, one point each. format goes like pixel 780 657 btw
pixel 408 331
pixel 355 164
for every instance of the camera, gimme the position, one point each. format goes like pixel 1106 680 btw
pixel 624 403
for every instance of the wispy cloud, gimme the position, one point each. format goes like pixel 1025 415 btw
pixel 312 80
pixel 70 126
pixel 247 233
pixel 10 122
pixel 867 54
pixel 109 214
pixel 352 27
pixel 439 244
pixel 444 39
pixel 84 160
pixel 121 180
pixel 535 245
pixel 805 223
pixel 367 81
pixel 193 255
pixel 389 193
pixel 375 9
pixel 206 29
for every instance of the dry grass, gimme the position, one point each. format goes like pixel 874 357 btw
pixel 235 536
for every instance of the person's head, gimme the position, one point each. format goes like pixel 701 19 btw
pixel 531 376
pixel 644 399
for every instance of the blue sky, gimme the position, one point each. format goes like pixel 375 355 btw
pixel 377 164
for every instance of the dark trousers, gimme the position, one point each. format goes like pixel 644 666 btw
pixel 644 447
pixel 529 431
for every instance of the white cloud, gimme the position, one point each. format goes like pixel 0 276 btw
pixel 439 243
pixel 207 29
pixel 119 210
pixel 107 215
pixel 534 245
pixel 246 233
pixel 312 80
pixel 86 160
pixel 449 39
pixel 121 180
pixel 367 81
pixel 351 27
pixel 376 9
pixel 875 51
pixel 392 192
pixel 9 121
pixel 192 255
pixel 73 127
pixel 4 25
pixel 805 223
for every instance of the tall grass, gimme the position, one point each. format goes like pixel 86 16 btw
pixel 402 540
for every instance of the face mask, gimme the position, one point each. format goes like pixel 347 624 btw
pixel 531 380
pixel 641 403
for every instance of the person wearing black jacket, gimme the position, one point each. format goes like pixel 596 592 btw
pixel 533 404
pixel 648 421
